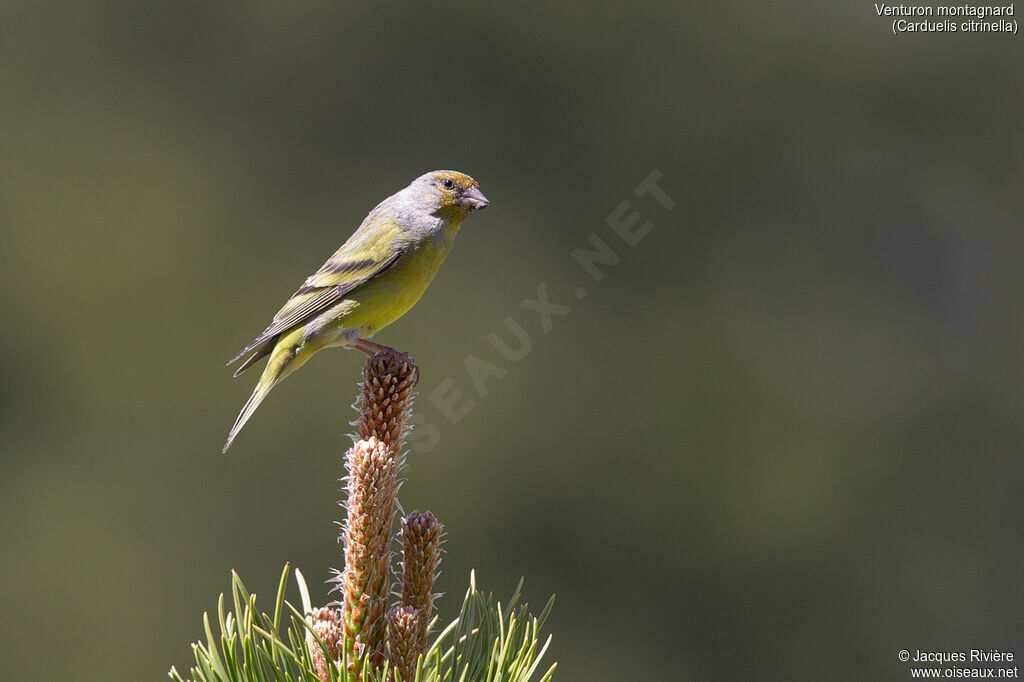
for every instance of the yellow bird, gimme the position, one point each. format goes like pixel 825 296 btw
pixel 371 281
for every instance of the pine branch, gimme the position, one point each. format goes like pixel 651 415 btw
pixel 358 639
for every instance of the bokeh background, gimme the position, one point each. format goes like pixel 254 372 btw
pixel 781 439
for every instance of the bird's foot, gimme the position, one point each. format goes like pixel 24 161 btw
pixel 385 360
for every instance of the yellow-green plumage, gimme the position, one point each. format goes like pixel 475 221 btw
pixel 372 280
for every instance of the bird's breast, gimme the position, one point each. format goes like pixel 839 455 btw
pixel 391 294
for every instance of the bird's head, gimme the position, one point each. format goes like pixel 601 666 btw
pixel 450 194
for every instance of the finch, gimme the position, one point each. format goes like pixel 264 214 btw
pixel 372 280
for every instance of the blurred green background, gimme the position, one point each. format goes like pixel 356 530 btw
pixel 781 439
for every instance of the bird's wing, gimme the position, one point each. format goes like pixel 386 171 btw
pixel 362 258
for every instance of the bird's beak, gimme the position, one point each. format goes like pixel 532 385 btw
pixel 473 200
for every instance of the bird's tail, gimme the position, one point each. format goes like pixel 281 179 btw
pixel 283 361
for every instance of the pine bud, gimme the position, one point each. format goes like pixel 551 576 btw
pixel 325 623
pixel 385 399
pixel 372 489
pixel 421 563
pixel 404 640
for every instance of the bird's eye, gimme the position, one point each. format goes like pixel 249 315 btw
pixel 449 183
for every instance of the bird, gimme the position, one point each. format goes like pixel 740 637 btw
pixel 376 276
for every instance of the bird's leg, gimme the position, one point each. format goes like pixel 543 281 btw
pixel 371 348
pixel 358 345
